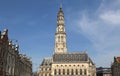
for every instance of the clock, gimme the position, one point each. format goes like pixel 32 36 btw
pixel 60 28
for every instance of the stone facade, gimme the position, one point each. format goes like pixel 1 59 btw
pixel 45 68
pixel 3 51
pixel 63 63
pixel 10 59
pixel 72 64
pixel 25 66
pixel 116 67
pixel 60 35
pixel 1 56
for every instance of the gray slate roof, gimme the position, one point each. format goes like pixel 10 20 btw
pixel 66 58
pixel 47 62
pixel 70 57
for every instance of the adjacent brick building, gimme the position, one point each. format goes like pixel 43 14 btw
pixel 116 66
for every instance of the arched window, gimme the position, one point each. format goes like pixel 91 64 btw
pixel 58 38
pixel 1 52
pixel 58 48
pixel 76 71
pixel 67 71
pixel 85 72
pixel 80 71
pixel 59 72
pixel 55 72
pixel 82 65
pixel 72 72
pixel 61 38
pixel 63 71
pixel 61 48
pixel 46 68
pixel 45 74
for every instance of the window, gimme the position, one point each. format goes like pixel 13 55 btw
pixel 56 44
pixel 59 72
pixel 63 44
pixel 58 38
pixel 9 59
pixel 0 53
pixel 63 71
pixel 61 38
pixel 45 69
pixel 76 71
pixel 82 65
pixel 45 74
pixel 84 71
pixel 72 72
pixel 80 71
pixel 55 72
pixel 67 71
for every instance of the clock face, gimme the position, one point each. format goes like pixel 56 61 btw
pixel 60 28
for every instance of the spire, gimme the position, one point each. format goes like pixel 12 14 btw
pixel 61 5
pixel 60 8
pixel 60 35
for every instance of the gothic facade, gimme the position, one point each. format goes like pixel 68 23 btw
pixel 3 51
pixel 64 63
pixel 11 62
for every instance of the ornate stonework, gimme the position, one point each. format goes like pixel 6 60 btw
pixel 63 63
pixel 60 35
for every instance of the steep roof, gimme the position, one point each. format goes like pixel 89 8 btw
pixel 118 59
pixel 47 62
pixel 70 57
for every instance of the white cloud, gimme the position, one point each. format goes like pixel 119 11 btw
pixel 103 31
pixel 112 17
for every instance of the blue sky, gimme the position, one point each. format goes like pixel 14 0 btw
pixel 91 25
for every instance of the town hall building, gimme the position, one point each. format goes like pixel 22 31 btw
pixel 63 63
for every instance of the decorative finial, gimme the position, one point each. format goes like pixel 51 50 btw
pixel 61 5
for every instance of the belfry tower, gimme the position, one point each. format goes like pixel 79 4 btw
pixel 60 35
